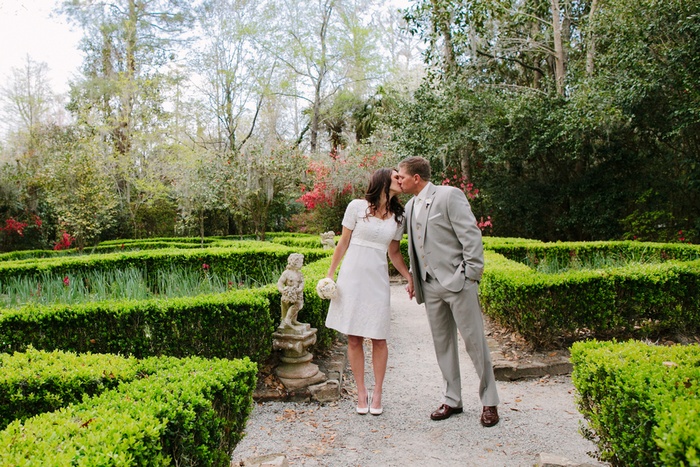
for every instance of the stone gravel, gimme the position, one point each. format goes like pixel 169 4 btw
pixel 537 416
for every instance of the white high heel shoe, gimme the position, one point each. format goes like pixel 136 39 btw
pixel 372 410
pixel 363 410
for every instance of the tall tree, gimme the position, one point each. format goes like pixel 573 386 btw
pixel 78 186
pixel 28 106
pixel 262 178
pixel 236 71
pixel 648 68
pixel 323 46
pixel 127 44
pixel 27 98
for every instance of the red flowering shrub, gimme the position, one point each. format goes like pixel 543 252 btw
pixel 22 231
pixel 332 183
pixel 65 242
pixel 485 225
pixel 320 194
pixel 14 226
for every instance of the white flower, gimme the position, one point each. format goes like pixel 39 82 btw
pixel 326 289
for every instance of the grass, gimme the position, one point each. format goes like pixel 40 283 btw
pixel 122 284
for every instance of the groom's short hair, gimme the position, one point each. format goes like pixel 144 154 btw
pixel 417 166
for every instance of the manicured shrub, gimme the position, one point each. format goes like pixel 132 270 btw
pixel 234 324
pixel 636 300
pixel 641 401
pixel 34 381
pixel 179 412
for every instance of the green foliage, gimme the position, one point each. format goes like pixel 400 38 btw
pixel 34 381
pixel 200 189
pixel 296 240
pixel 641 401
pixel 114 437
pixel 228 325
pixel 80 192
pixel 569 164
pixel 641 299
pixel 128 284
pixel 231 325
pixel 249 259
pixel 183 412
pixel 262 181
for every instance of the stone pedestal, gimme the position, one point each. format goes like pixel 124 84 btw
pixel 296 370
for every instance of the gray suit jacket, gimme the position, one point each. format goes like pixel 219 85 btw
pixel 444 240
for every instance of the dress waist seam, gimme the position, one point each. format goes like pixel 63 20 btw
pixel 367 243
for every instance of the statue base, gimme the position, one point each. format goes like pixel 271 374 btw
pixel 296 370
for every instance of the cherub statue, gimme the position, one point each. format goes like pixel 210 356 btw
pixel 328 240
pixel 291 285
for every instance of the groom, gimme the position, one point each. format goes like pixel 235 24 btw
pixel 447 261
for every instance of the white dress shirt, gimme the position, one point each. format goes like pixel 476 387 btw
pixel 420 201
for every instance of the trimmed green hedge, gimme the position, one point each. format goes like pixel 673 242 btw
pixel 534 251
pixel 299 241
pixel 35 381
pixel 642 402
pixel 180 412
pixel 233 324
pixel 116 246
pixel 155 419
pixel 249 259
pixel 637 300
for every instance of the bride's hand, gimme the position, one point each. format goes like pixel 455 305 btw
pixel 409 288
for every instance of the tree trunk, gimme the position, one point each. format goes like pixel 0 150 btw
pixel 537 79
pixel 590 50
pixel 442 21
pixel 322 70
pixel 201 226
pixel 315 117
pixel 559 57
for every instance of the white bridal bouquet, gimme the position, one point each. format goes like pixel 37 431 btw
pixel 326 289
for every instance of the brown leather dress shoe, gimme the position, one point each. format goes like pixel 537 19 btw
pixel 489 417
pixel 445 411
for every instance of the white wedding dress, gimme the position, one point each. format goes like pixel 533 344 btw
pixel 362 307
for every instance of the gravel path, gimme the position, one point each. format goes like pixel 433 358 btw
pixel 537 416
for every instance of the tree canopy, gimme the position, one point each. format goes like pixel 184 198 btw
pixel 562 120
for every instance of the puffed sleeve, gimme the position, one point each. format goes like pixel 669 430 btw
pixel 351 213
pixel 400 229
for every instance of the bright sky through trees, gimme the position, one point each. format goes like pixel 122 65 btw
pixel 29 27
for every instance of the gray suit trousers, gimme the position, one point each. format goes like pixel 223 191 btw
pixel 451 311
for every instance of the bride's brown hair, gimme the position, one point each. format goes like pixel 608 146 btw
pixel 378 184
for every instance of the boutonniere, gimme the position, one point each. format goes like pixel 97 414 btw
pixel 428 201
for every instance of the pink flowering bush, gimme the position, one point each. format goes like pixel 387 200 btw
pixel 452 178
pixel 485 225
pixel 460 181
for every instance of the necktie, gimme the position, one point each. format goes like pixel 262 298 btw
pixel 417 205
